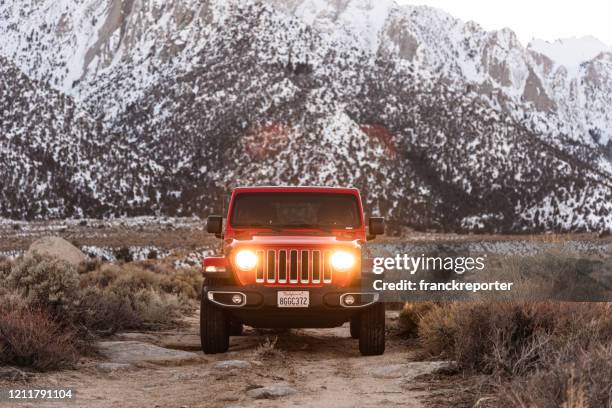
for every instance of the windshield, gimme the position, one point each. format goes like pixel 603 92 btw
pixel 296 210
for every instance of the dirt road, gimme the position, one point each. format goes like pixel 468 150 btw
pixel 318 367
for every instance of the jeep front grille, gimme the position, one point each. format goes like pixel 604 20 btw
pixel 293 266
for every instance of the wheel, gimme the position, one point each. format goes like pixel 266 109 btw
pixel 355 326
pixel 214 328
pixel 235 328
pixel 372 330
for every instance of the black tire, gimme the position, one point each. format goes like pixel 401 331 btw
pixel 372 330
pixel 355 323
pixel 214 328
pixel 236 328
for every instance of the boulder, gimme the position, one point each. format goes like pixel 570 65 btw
pixel 59 248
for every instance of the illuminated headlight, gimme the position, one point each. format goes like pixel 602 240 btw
pixel 342 260
pixel 246 260
pixel 237 299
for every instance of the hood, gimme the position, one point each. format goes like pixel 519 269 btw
pixel 295 240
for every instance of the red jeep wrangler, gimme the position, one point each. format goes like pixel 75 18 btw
pixel 291 259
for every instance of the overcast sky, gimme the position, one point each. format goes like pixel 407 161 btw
pixel 543 19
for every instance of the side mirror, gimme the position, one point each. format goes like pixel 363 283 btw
pixel 376 226
pixel 214 224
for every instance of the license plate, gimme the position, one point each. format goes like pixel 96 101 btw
pixel 293 298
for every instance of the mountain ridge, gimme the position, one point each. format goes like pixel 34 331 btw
pixel 193 98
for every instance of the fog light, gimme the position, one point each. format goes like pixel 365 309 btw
pixel 349 300
pixel 237 299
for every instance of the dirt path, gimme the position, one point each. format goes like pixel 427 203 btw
pixel 319 367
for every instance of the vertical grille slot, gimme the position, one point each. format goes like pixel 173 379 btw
pixel 282 266
pixel 271 264
pixel 316 266
pixel 304 265
pixel 327 272
pixel 291 266
pixel 293 276
pixel 259 276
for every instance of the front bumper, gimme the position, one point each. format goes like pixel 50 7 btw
pixel 255 297
pixel 259 308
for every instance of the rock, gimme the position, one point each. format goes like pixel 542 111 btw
pixel 110 368
pixel 59 248
pixel 134 352
pixel 409 370
pixel 271 391
pixel 13 374
pixel 231 364
pixel 390 371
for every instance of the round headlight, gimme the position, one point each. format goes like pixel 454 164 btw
pixel 246 260
pixel 342 260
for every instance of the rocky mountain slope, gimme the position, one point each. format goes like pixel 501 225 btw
pixel 441 124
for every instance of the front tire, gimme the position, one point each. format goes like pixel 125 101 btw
pixel 372 330
pixel 214 327
pixel 236 328
pixel 355 323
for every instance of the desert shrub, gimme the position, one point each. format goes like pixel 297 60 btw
pixel 538 354
pixel 493 338
pixel 436 331
pixel 184 282
pixel 89 265
pixel 106 312
pixel 134 279
pixel 155 309
pixel 47 282
pixel 557 274
pixel 268 349
pixel 152 254
pixel 584 382
pixel 30 337
pixel 411 315
pixel 124 254
pixel 102 277
pixel 5 267
pixel 69 310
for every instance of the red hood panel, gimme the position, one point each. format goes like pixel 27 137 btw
pixel 289 240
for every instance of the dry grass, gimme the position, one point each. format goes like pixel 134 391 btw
pixel 155 275
pixel 48 283
pixel 268 349
pixel 30 337
pixel 410 317
pixel 51 312
pixel 536 354
pixel 5 267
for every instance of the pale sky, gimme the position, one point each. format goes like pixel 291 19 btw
pixel 542 19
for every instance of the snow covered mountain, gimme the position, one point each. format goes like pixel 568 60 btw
pixel 440 123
